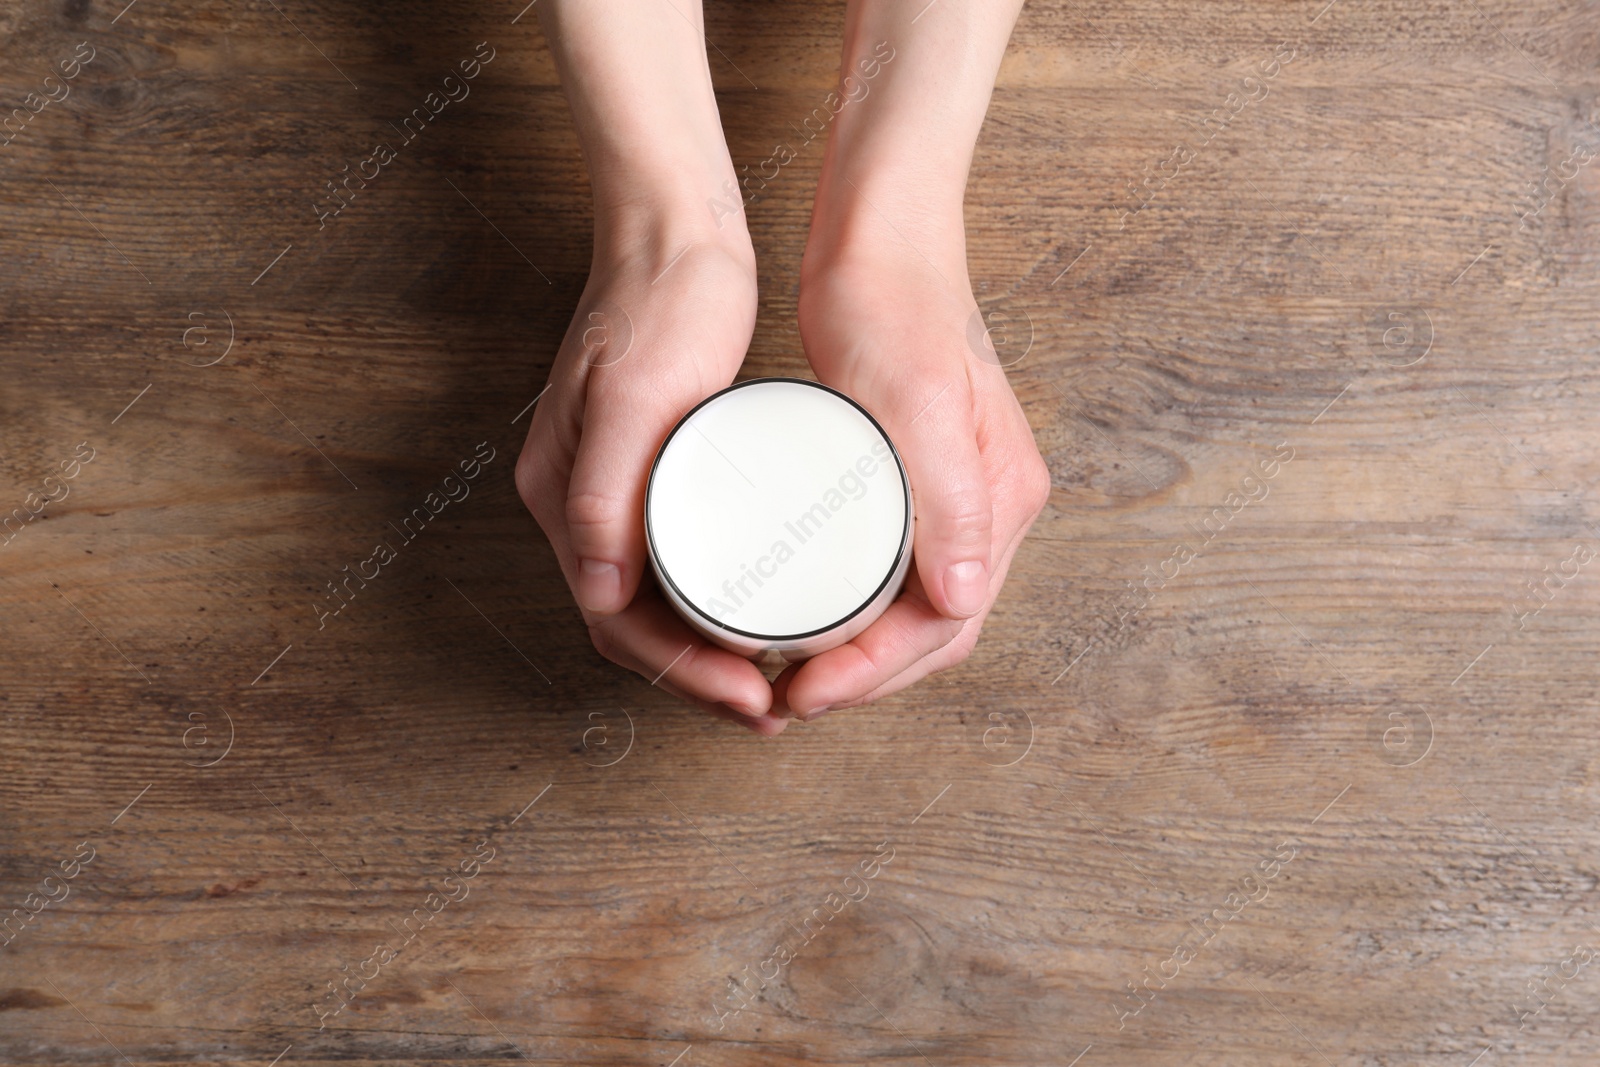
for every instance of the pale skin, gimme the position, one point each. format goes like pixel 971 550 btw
pixel 884 307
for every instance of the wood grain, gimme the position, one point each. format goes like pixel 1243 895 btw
pixel 1341 670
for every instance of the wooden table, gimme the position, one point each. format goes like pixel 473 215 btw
pixel 1247 768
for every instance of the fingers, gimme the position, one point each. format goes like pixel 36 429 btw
pixel 905 634
pixel 605 497
pixel 649 639
pixel 765 725
pixel 933 426
pixel 545 464
pixel 884 663
pixel 959 648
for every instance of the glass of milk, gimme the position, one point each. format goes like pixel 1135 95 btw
pixel 779 517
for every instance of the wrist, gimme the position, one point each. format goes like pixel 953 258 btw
pixel 653 215
pixel 885 193
pixel 646 116
pixel 895 171
pixel 878 219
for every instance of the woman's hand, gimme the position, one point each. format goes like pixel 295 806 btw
pixel 883 326
pixel 664 322
pixel 885 308
pixel 655 333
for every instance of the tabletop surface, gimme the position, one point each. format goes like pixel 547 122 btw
pixel 1294 767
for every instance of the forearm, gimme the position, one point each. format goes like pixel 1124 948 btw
pixel 897 160
pixel 636 77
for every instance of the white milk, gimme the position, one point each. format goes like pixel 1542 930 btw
pixel 779 516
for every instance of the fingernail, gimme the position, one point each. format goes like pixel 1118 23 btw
pixel 746 709
pixel 816 713
pixel 965 586
pixel 599 584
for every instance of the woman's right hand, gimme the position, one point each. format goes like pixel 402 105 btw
pixel 664 322
pixel 659 328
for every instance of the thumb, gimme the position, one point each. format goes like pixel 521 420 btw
pixel 605 498
pixel 938 441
